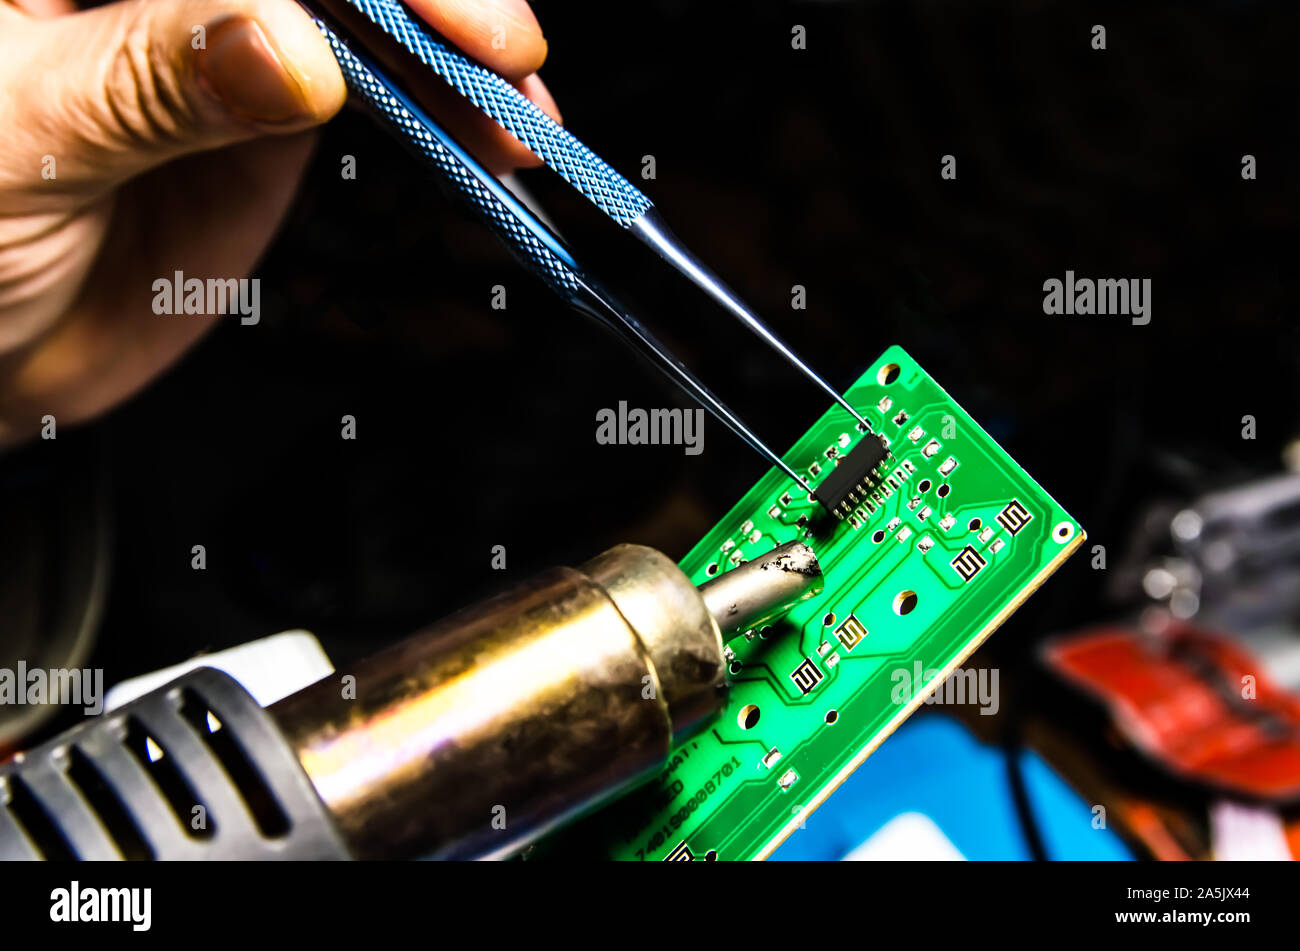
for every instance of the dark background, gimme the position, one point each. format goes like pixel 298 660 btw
pixel 817 167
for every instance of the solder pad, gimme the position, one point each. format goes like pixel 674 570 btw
pixel 953 539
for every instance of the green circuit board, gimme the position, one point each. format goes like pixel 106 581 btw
pixel 917 574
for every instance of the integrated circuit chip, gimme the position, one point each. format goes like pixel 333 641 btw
pixel 722 792
pixel 849 483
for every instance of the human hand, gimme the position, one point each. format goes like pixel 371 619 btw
pixel 147 137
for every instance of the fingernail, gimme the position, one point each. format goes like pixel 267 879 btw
pixel 512 25
pixel 520 12
pixel 240 67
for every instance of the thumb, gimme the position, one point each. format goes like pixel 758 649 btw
pixel 114 91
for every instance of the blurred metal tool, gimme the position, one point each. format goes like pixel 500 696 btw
pixel 385 53
pixel 552 697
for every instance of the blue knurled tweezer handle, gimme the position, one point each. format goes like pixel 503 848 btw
pixel 513 111
pixel 518 228
pixel 521 231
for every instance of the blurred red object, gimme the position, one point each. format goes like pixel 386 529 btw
pixel 1195 702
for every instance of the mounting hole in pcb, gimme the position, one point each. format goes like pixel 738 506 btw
pixel 712 569
pixel 1063 532
pixel 888 374
pixel 904 602
pixel 832 716
pixel 748 716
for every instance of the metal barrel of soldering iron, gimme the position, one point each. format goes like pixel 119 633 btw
pixel 480 734
pixel 468 740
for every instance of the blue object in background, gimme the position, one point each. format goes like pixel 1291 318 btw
pixel 935 766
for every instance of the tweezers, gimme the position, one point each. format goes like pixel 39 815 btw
pixel 385 53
